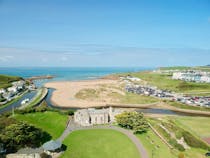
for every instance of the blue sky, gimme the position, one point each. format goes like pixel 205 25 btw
pixel 104 32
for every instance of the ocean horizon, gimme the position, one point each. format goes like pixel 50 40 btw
pixel 68 73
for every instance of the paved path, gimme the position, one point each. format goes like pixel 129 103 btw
pixel 72 126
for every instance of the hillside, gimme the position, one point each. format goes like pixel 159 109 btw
pixel 5 80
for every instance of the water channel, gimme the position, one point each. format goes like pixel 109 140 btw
pixel 32 94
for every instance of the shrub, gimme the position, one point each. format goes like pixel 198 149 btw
pixel 179 147
pixel 181 155
pixel 44 155
pixel 174 143
pixel 41 109
pixel 69 112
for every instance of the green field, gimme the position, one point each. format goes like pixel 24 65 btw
pixel 175 68
pixel 5 81
pixel 198 125
pixel 87 93
pixel 115 97
pixel 163 81
pixel 99 143
pixel 131 98
pixel 189 153
pixel 51 122
pixel 151 141
pixel 185 106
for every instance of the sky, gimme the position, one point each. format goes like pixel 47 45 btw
pixel 101 33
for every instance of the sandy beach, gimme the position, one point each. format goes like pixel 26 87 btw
pixel 65 92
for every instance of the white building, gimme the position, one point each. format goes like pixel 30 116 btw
pixel 193 76
pixel 205 79
pixel 12 89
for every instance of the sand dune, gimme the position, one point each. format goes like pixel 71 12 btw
pixel 65 91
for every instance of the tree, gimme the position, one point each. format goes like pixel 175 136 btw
pixel 19 135
pixel 133 120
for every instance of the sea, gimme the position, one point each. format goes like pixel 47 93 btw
pixel 68 73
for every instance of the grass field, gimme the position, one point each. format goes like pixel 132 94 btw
pixel 114 97
pixel 5 81
pixel 131 98
pixel 198 125
pixel 175 68
pixel 189 153
pixel 99 143
pixel 164 81
pixel 51 122
pixel 185 106
pixel 87 93
pixel 151 141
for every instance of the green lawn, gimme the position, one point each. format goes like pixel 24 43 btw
pixel 151 141
pixel 99 143
pixel 51 122
pixel 164 81
pixel 198 125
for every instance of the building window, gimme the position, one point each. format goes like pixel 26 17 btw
pixel 96 119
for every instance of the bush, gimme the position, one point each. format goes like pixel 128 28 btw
pixel 174 143
pixel 44 155
pixel 41 109
pixel 70 112
pixel 181 155
pixel 179 147
pixel 19 135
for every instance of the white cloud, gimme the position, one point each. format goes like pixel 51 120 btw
pixel 6 58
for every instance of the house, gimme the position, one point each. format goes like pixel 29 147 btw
pixel 8 95
pixel 19 84
pixel 2 91
pixel 12 89
pixel 205 79
pixel 92 116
